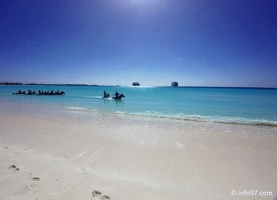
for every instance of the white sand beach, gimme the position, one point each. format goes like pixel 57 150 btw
pixel 122 158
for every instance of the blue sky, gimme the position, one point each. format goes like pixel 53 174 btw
pixel 117 42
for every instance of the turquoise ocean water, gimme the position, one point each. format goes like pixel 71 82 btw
pixel 224 105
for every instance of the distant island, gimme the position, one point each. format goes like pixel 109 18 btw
pixel 60 84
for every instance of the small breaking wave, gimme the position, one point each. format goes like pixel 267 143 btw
pixel 195 118
pixel 75 108
pixel 119 113
pixel 210 119
pixel 72 108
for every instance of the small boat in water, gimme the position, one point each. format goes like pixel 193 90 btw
pixel 174 84
pixel 136 84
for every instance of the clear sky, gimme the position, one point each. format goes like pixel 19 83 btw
pixel 117 42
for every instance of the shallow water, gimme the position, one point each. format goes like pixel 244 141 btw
pixel 224 105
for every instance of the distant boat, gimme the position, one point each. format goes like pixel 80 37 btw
pixel 174 84
pixel 136 84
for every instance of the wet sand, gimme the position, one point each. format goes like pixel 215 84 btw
pixel 98 156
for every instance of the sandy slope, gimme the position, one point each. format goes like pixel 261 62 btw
pixel 114 157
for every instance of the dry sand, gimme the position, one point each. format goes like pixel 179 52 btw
pixel 116 157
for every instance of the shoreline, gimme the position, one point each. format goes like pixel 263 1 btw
pixel 150 159
pixel 37 107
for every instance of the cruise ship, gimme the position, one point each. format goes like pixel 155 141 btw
pixel 174 84
pixel 136 84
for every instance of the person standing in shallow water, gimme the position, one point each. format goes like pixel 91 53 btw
pixel 106 95
pixel 116 94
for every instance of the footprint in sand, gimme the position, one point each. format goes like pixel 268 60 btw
pixel 33 183
pixel 15 154
pixel 96 195
pixel 36 178
pixel 4 147
pixel 14 168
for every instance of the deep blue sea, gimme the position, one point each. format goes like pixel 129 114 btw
pixel 223 105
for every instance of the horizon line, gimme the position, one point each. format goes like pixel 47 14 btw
pixel 100 85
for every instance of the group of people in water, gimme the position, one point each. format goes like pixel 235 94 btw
pixel 40 92
pixel 116 96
